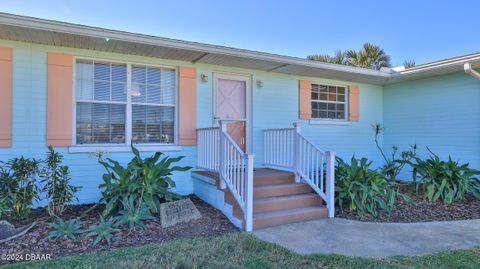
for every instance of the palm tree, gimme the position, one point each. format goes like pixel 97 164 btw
pixel 370 56
pixel 408 63
pixel 339 58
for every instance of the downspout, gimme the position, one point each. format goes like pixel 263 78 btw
pixel 469 70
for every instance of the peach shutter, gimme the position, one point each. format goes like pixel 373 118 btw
pixel 59 111
pixel 187 106
pixel 353 107
pixel 5 97
pixel 305 99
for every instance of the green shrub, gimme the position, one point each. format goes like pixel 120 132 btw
pixel 18 186
pixel 147 181
pixel 394 164
pixel 63 229
pixel 3 207
pixel 56 180
pixel 447 181
pixel 362 189
pixel 133 215
pixel 104 230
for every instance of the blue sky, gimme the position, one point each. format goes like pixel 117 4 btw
pixel 421 30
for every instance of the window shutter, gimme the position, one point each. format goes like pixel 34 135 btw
pixel 5 96
pixel 353 100
pixel 59 111
pixel 187 106
pixel 305 99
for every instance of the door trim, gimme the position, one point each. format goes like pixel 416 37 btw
pixel 248 103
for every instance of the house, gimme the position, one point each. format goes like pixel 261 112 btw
pixel 84 89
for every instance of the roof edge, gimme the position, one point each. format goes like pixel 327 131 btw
pixel 460 60
pixel 97 32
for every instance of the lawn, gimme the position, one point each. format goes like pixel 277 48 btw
pixel 241 250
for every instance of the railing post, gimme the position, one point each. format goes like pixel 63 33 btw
pixel 296 151
pixel 249 193
pixel 223 156
pixel 330 183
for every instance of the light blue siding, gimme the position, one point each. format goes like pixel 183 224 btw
pixel 275 105
pixel 440 112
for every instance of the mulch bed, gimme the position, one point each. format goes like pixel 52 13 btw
pixel 422 211
pixel 36 241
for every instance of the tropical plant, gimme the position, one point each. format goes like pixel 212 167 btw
pixel 3 207
pixel 104 230
pixel 370 56
pixel 408 63
pixel 393 165
pixel 147 181
pixel 7 183
pixel 362 189
pixel 133 215
pixel 447 181
pixel 339 58
pixel 56 179
pixel 18 185
pixel 66 229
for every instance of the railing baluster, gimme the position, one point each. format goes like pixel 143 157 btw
pixel 321 174
pixel 290 149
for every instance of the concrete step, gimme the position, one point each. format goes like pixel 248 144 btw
pixel 280 190
pixel 278 217
pixel 286 202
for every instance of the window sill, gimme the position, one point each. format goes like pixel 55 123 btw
pixel 121 148
pixel 329 122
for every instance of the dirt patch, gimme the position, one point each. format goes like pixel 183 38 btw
pixel 422 211
pixel 36 241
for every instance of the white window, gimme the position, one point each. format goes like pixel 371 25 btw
pixel 329 102
pixel 106 114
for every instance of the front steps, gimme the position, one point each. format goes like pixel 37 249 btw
pixel 277 199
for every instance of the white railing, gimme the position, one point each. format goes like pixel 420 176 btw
pixel 217 151
pixel 278 147
pixel 208 148
pixel 288 148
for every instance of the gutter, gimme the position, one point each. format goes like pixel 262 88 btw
pixel 467 67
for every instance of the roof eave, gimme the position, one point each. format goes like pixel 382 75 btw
pixel 95 32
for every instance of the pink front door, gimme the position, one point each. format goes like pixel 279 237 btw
pixel 231 100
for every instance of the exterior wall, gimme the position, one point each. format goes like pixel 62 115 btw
pixel 275 105
pixel 441 113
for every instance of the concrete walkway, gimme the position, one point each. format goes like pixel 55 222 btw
pixel 367 239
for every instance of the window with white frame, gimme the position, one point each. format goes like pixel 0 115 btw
pixel 329 102
pixel 106 114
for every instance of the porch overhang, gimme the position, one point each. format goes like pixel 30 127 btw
pixel 55 33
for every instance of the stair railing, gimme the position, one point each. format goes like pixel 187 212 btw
pixel 218 152
pixel 288 148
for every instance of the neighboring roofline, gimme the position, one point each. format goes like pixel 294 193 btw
pixel 460 60
pixel 70 28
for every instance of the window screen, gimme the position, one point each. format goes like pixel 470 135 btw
pixel 101 96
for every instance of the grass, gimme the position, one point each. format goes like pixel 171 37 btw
pixel 242 250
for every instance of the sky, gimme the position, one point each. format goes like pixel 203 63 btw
pixel 423 31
